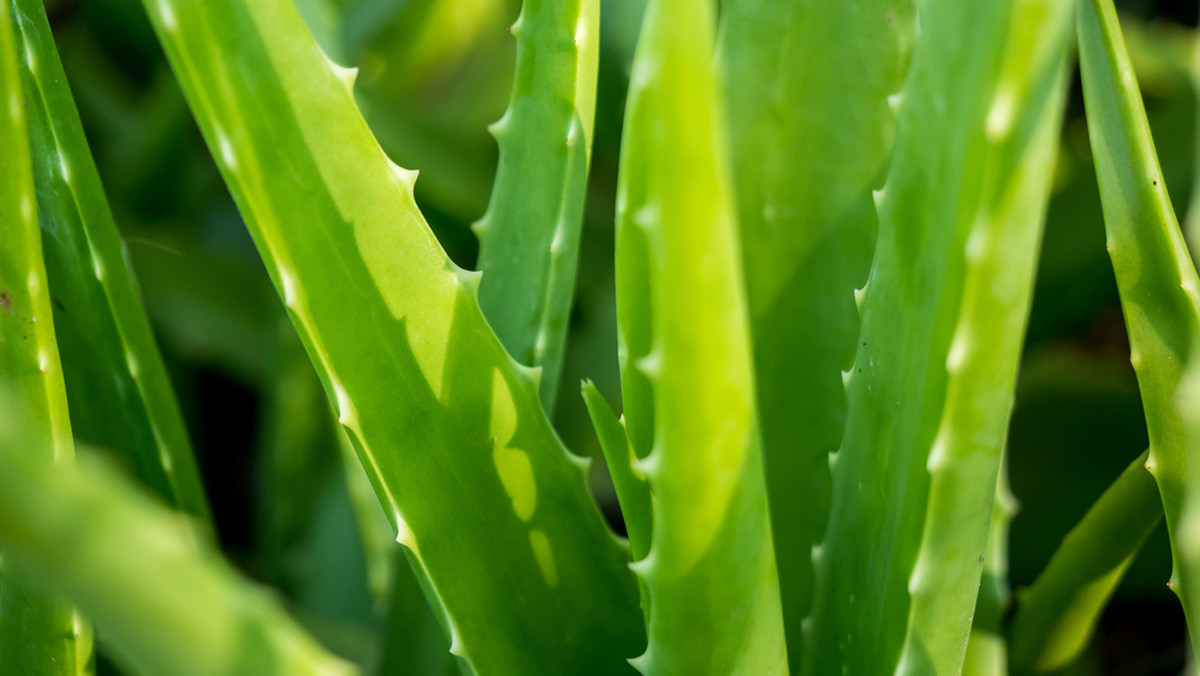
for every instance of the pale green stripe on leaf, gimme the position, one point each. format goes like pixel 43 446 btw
pixel 449 428
pixel 710 574
pixel 40 635
pixel 166 602
pixel 810 139
pixel 1021 130
pixel 897 386
pixel 1056 615
pixel 117 387
pixel 529 237
pixel 1155 275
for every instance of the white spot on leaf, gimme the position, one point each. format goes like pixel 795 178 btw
pixel 288 281
pixel 225 148
pixel 1000 116
pixel 168 15
pixel 347 416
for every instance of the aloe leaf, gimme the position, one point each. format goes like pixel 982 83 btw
pixel 166 600
pixel 1056 615
pixel 1187 401
pixel 529 237
pixel 632 492
pixel 808 227
pixel 987 648
pixel 373 527
pixel 1155 275
pixel 710 572
pixel 39 633
pixel 297 450
pixel 943 316
pixel 117 387
pixel 414 641
pixel 1021 128
pixel 494 511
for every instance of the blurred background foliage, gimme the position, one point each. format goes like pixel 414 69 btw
pixel 433 75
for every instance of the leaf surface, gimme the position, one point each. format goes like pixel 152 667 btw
pixel 1155 275
pixel 117 387
pixel 1058 613
pixel 167 602
pixel 529 237
pixel 713 595
pixel 493 509
pixel 943 315
pixel 987 648
pixel 40 635
pixel 810 139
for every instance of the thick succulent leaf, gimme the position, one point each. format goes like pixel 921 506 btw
pixel 808 229
pixel 493 509
pixel 414 641
pixel 1187 401
pixel 529 237
pixel 117 387
pixel 297 450
pixel 987 648
pixel 1021 128
pixel 1155 275
pixel 632 492
pixel 710 573
pixel 943 314
pixel 166 602
pixel 1058 613
pixel 39 634
pixel 373 528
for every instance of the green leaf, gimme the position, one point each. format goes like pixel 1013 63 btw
pixel 297 451
pixel 810 138
pixel 632 492
pixel 1021 128
pixel 414 639
pixel 987 648
pixel 710 572
pixel 40 635
pixel 1155 275
pixel 117 387
pixel 493 509
pixel 943 316
pixel 164 599
pixel 1058 613
pixel 529 237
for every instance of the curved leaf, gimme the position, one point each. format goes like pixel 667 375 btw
pixel 493 509
pixel 529 237
pixel 713 595
pixel 1157 281
pixel 943 314
pixel 810 139
pixel 1058 613
pixel 165 600
pixel 40 635
pixel 117 387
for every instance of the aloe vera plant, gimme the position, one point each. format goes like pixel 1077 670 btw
pixel 828 220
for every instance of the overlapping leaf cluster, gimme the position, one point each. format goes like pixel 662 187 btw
pixel 828 217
